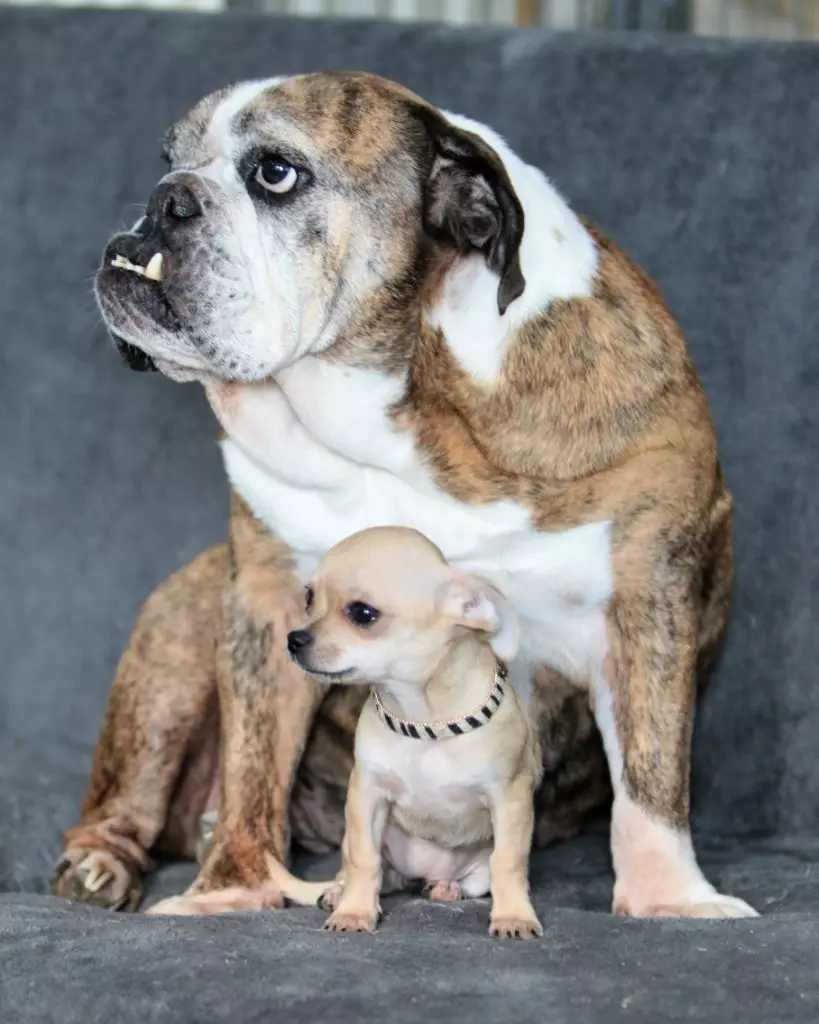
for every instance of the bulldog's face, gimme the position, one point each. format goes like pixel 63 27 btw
pixel 299 214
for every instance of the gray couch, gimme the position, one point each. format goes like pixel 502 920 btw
pixel 701 159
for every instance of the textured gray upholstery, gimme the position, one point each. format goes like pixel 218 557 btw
pixel 701 160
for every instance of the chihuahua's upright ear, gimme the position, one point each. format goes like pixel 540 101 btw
pixel 476 604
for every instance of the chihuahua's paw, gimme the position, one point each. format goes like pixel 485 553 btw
pixel 353 921
pixel 99 877
pixel 443 892
pixel 525 927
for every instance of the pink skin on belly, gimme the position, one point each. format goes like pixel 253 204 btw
pixel 420 859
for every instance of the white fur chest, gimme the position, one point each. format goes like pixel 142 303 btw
pixel 317 459
pixel 443 778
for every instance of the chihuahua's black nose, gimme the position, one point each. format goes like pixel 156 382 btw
pixel 298 639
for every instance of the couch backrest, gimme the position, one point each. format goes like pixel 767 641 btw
pixel 700 158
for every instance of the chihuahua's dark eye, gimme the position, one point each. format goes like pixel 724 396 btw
pixel 275 174
pixel 308 598
pixel 361 614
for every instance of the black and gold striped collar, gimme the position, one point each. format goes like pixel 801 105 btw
pixel 446 730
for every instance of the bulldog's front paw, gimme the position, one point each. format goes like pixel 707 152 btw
pixel 525 926
pixel 353 920
pixel 221 901
pixel 226 884
pixel 657 872
pixel 99 877
pixel 713 905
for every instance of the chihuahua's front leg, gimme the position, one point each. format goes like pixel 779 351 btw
pixel 512 820
pixel 358 909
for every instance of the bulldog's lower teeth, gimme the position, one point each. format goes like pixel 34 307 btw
pixel 154 268
pixel 122 264
pixel 153 271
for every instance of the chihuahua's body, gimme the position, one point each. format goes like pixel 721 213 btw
pixel 446 757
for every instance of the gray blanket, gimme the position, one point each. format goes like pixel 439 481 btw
pixel 700 158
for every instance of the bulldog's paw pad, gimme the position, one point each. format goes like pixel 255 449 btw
pixel 515 928
pixel 717 907
pixel 330 898
pixel 98 877
pixel 443 892
pixel 352 921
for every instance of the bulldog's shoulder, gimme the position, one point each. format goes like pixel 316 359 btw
pixel 586 367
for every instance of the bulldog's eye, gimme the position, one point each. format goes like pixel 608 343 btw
pixel 361 615
pixel 276 175
pixel 308 598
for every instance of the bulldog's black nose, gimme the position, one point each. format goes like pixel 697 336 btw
pixel 299 639
pixel 171 203
pixel 181 203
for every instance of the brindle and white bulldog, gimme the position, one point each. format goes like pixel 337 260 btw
pixel 398 321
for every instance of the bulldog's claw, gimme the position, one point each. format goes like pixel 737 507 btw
pixel 96 878
pixel 99 877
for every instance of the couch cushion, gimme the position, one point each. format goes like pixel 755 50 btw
pixel 432 961
pixel 74 965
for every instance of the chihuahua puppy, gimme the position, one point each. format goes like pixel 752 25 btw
pixel 446 758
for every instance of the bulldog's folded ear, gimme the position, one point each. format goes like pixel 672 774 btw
pixel 476 604
pixel 470 201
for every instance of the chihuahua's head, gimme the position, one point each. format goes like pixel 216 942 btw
pixel 385 605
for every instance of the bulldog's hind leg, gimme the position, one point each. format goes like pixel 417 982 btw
pixel 575 779
pixel 157 753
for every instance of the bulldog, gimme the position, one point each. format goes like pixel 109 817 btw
pixel 399 322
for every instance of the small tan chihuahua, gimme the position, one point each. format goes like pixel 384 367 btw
pixel 446 759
